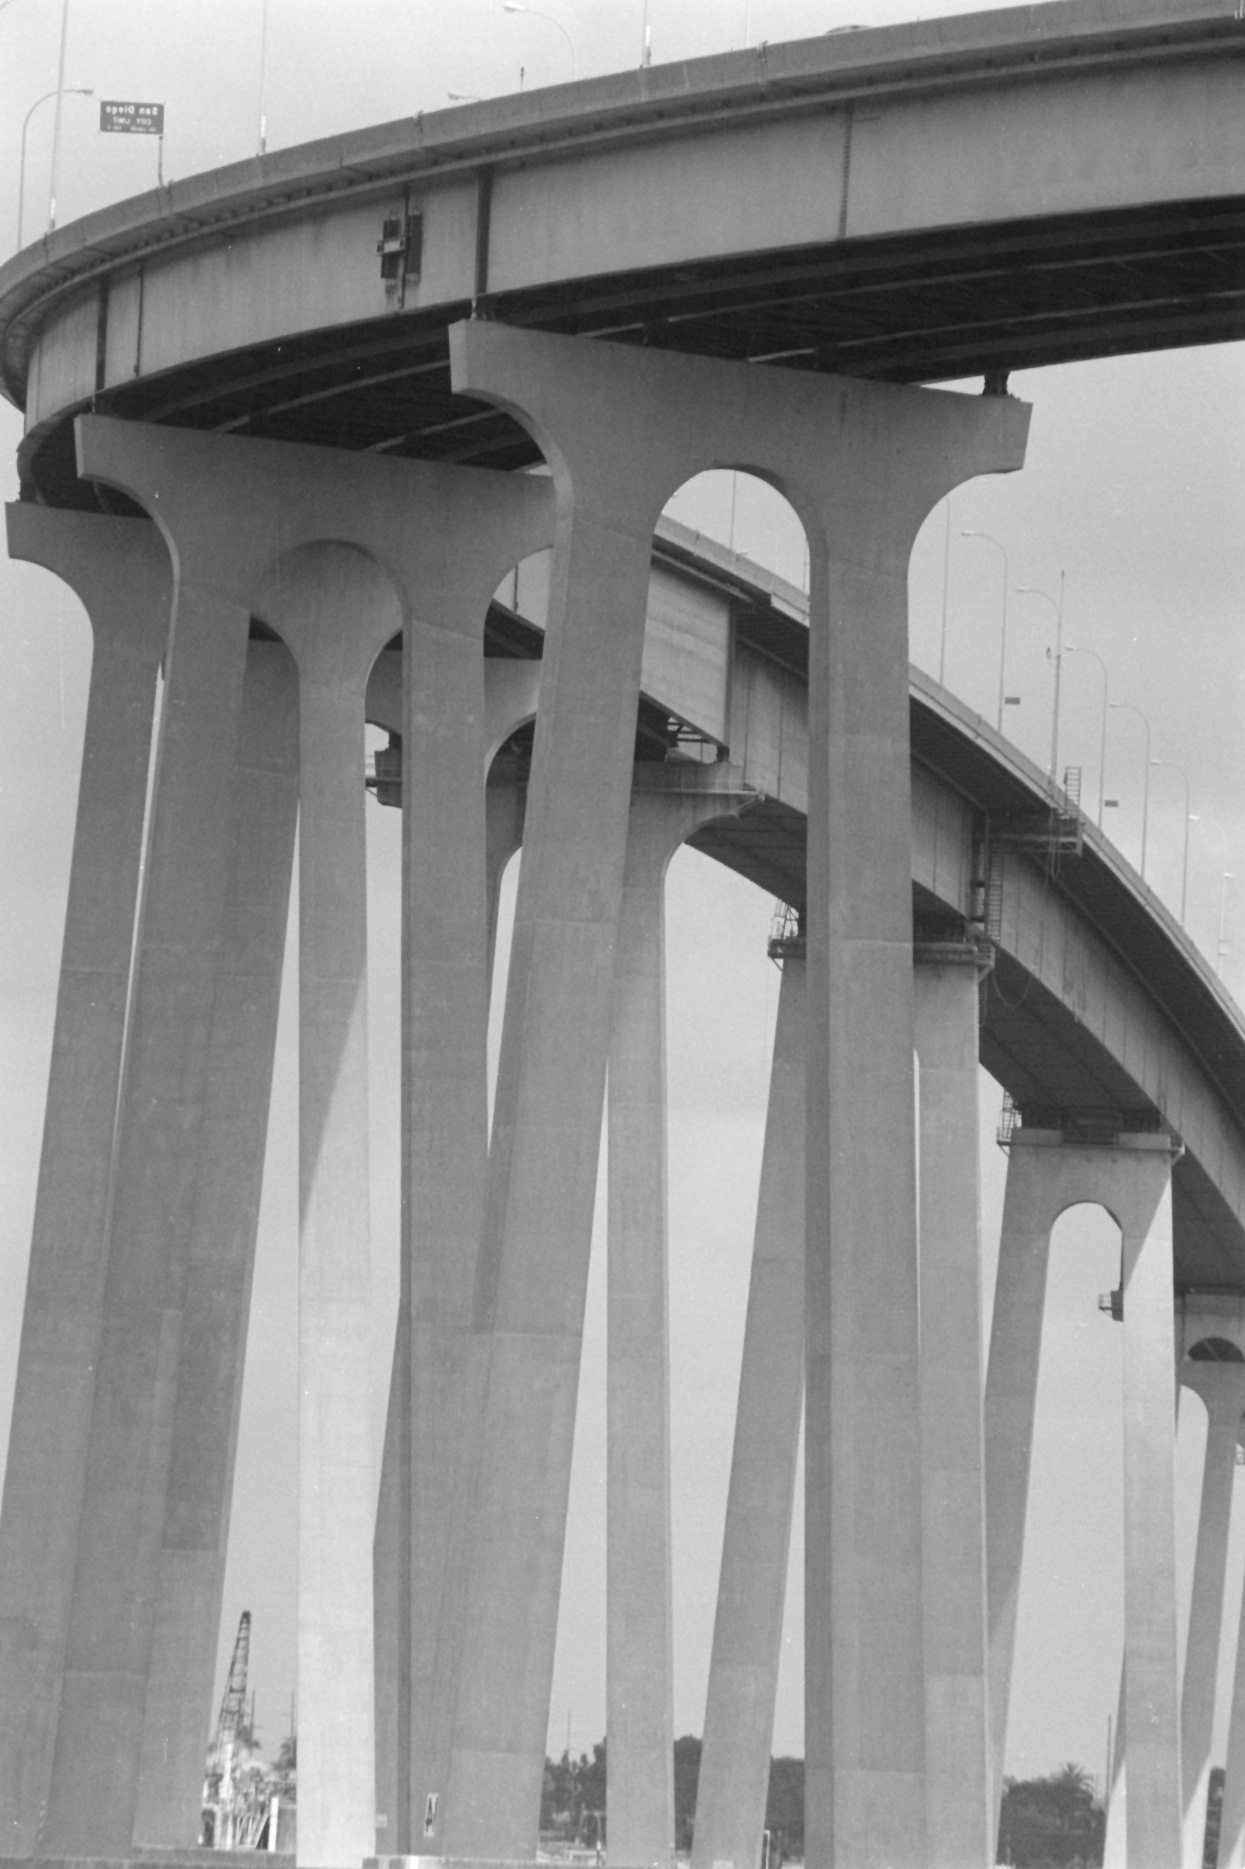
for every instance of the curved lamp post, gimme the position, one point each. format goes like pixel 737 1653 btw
pixel 1184 867
pixel 64 90
pixel 1225 877
pixel 517 6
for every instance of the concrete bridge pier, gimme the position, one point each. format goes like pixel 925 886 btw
pixel 1221 1386
pixel 747 1631
pixel 1232 1820
pixel 947 977
pixel 120 570
pixel 457 834
pixel 338 558
pixel 862 464
pixel 181 1670
pixel 668 803
pixel 93 1794
pixel 402 1603
pixel 1131 1178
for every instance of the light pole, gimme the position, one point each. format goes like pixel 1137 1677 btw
pixel 518 6
pixel 1056 604
pixel 1224 879
pixel 991 540
pixel 263 78
pixel 1128 708
pixel 73 90
pixel 1075 649
pixel 56 125
pixel 1184 867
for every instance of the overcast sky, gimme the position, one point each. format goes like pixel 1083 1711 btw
pixel 1133 489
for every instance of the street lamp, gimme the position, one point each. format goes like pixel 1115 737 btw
pixel 1128 708
pixel 1031 590
pixel 1184 867
pixel 1225 877
pixel 517 6
pixel 991 540
pixel 1075 649
pixel 68 90
pixel 263 79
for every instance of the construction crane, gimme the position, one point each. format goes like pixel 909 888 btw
pixel 237 1808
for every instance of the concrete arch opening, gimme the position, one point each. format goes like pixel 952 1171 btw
pixel 1064 1689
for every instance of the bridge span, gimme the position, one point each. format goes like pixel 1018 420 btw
pixel 272 420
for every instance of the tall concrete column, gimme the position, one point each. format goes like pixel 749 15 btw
pixel 1232 1821
pixel 510 691
pixel 1031 1205
pixel 456 710
pixel 959 1804
pixel 1152 1688
pixel 221 1255
pixel 865 1721
pixel 1131 1179
pixel 339 555
pixel 747 1631
pixel 1221 1386
pixel 639 1610
pixel 505 798
pixel 863 464
pixel 94 1789
pixel 334 606
pixel 120 570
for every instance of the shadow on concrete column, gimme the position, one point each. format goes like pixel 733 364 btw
pixel 862 464
pixel 120 570
pixel 756 1544
pixel 229 1176
pixel 1131 1179
pixel 668 803
pixel 957 1739
pixel 1221 1385
pixel 94 1788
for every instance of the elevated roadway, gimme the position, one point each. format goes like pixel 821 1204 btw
pixel 947 200
pixel 1100 1016
pixel 921 202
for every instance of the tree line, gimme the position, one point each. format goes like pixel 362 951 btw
pixel 1053 1822
pixel 573 1803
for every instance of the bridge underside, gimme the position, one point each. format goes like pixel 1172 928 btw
pixel 935 306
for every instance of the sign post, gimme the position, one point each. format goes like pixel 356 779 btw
pixel 119 118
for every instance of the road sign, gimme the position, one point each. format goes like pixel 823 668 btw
pixel 131 119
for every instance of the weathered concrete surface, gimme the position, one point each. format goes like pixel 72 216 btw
pixel 668 803
pixel 1143 1206
pixel 1232 1822
pixel 455 711
pixel 221 1255
pixel 959 1804
pixel 94 1785
pixel 337 553
pixel 747 1631
pixel 1030 1209
pixel 1131 1179
pixel 862 464
pixel 1222 1389
pixel 121 572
